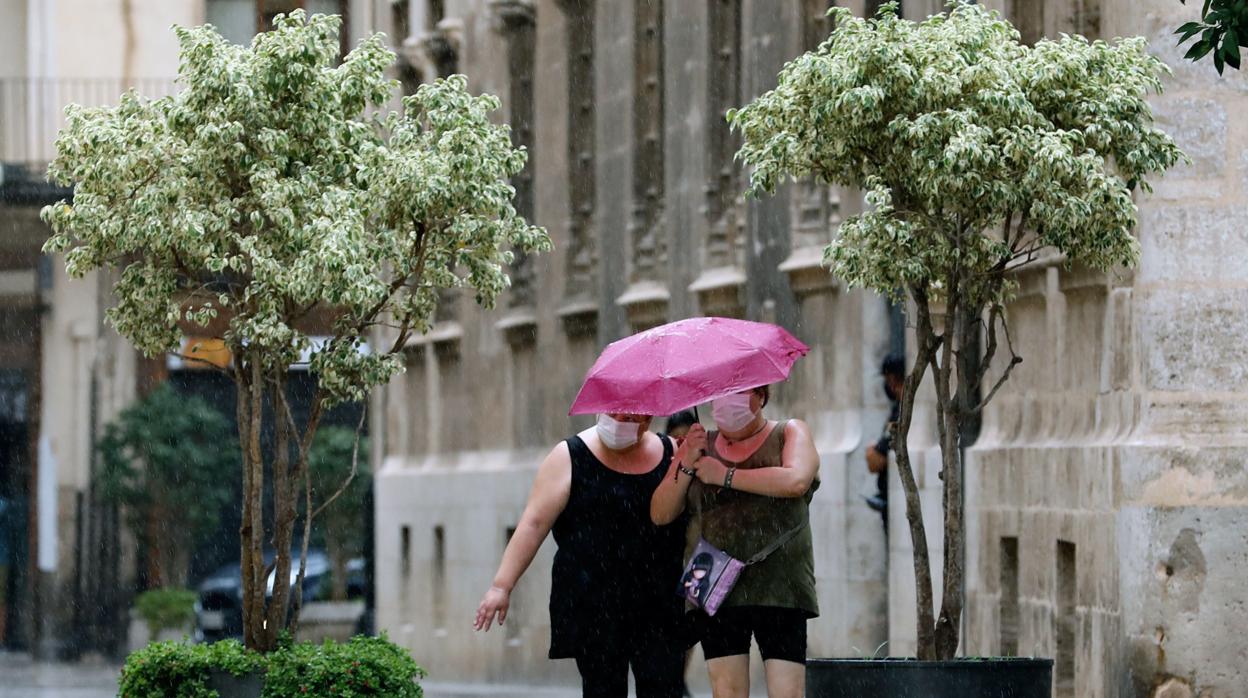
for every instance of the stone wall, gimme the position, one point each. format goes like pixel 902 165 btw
pixel 486 393
pixel 1105 491
pixel 1107 488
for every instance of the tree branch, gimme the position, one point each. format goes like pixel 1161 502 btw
pixel 355 454
pixel 1015 360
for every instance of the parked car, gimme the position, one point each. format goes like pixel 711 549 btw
pixel 219 611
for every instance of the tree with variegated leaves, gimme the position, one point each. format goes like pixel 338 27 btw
pixel 273 186
pixel 978 155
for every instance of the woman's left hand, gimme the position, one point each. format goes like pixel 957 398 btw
pixel 711 471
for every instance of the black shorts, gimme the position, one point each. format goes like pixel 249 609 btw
pixel 780 632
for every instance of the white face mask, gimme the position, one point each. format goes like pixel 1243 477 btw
pixel 733 413
pixel 617 435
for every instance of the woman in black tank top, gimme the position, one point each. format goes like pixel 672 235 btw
pixel 613 602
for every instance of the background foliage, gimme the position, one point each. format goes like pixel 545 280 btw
pixel 166 608
pixel 1223 31
pixel 341 525
pixel 170 461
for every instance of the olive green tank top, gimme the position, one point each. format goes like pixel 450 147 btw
pixel 741 524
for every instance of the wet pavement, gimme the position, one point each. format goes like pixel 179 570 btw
pixel 20 677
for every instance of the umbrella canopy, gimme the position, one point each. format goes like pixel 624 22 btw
pixel 685 363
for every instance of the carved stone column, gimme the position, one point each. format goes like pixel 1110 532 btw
pixel 516 21
pixel 647 298
pixel 579 309
pixel 720 288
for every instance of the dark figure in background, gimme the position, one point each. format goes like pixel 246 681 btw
pixel 679 423
pixel 894 372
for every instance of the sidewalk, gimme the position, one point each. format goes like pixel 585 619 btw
pixel 21 677
pixel 437 689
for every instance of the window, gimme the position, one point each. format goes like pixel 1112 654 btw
pixel 1067 593
pixel 239 20
pixel 405 551
pixel 234 19
pixel 439 577
pixel 1009 597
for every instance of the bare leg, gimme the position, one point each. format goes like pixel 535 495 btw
pixel 785 679
pixel 685 671
pixel 730 676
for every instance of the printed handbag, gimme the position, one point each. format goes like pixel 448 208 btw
pixel 711 573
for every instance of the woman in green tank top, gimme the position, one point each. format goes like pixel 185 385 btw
pixel 745 485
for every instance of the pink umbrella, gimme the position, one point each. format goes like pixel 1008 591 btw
pixel 685 363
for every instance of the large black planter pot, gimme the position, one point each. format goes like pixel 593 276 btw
pixel 1006 677
pixel 230 686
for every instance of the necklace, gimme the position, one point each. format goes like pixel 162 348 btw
pixel 756 432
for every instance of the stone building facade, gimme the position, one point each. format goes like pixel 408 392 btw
pixel 67 565
pixel 1108 484
pixel 1105 489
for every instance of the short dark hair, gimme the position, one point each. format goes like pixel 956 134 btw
pixel 765 392
pixel 683 418
pixel 893 365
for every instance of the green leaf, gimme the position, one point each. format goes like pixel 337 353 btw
pixel 1230 49
pixel 1188 31
pixel 1199 50
pixel 1218 61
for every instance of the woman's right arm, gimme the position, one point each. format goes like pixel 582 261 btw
pixel 668 501
pixel 551 490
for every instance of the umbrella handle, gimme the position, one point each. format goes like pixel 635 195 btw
pixel 701 451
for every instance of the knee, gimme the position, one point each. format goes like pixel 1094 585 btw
pixel 730 684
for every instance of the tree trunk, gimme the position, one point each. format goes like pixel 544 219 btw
pixel 265 617
pixel 250 405
pixel 927 345
pixel 956 407
pixel 155 543
pixel 283 511
pixel 338 560
pixel 175 558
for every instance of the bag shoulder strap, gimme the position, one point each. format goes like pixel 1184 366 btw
pixel 777 544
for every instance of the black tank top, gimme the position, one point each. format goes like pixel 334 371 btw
pixel 615 573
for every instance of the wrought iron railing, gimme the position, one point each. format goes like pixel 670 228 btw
pixel 32 110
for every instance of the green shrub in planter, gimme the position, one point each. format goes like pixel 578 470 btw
pixel 165 608
pixel 179 670
pixel 365 666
